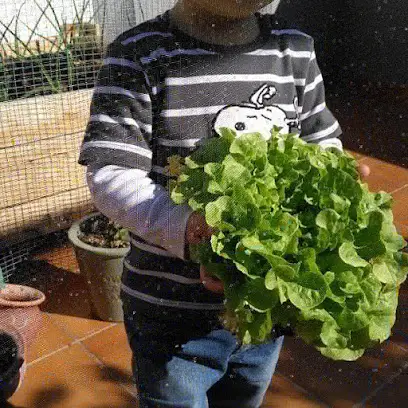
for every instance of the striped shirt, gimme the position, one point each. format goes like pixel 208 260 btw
pixel 160 92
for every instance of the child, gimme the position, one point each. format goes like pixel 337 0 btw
pixel 165 85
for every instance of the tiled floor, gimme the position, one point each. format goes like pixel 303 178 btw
pixel 78 362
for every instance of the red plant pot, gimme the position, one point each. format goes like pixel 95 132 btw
pixel 19 308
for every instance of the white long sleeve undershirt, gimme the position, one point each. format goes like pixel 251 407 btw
pixel 131 198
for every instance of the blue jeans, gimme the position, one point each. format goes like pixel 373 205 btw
pixel 184 359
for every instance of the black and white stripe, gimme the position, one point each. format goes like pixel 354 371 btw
pixel 157 96
pixel 170 303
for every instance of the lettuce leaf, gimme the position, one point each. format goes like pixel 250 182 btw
pixel 300 241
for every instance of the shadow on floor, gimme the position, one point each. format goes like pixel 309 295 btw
pixel 116 375
pixel 66 292
pixel 47 397
pixel 59 395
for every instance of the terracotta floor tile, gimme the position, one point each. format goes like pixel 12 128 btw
pixel 358 156
pixel 62 257
pixel 71 378
pixel 66 292
pixel 340 384
pixel 393 395
pixel 50 338
pixel 67 298
pixel 112 348
pixel 385 176
pixel 400 209
pixel 284 394
pixel 402 229
pixel 79 327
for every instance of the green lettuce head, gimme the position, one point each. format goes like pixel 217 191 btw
pixel 300 242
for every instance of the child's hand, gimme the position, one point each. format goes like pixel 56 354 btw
pixel 210 282
pixel 364 171
pixel 197 229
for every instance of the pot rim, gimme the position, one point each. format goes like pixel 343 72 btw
pixel 107 252
pixel 38 297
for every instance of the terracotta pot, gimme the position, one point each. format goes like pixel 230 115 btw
pixel 12 364
pixel 19 309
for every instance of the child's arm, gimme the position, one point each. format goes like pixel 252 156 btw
pixel 117 151
pixel 131 198
pixel 318 125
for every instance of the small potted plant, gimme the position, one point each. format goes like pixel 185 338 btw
pixel 101 246
pixel 19 308
pixel 12 365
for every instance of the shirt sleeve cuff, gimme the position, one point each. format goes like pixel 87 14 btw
pixel 175 241
pixel 330 143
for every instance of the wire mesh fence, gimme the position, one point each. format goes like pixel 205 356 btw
pixel 50 55
pixel 12 257
pixel 48 46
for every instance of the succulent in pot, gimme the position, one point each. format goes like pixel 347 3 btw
pixel 101 246
pixel 99 231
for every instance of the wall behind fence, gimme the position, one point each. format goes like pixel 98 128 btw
pixel 30 13
pixel 48 65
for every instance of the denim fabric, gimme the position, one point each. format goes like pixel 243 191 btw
pixel 184 359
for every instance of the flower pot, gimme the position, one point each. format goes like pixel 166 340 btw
pixel 12 365
pixel 102 269
pixel 19 308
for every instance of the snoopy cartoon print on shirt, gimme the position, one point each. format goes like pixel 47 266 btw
pixel 255 116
